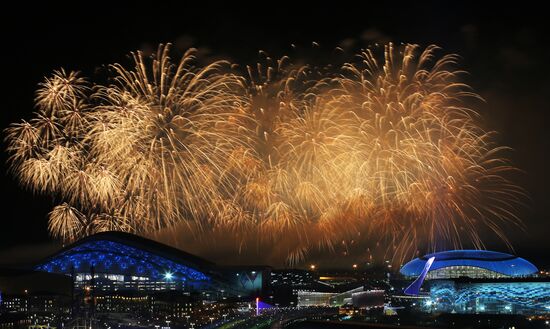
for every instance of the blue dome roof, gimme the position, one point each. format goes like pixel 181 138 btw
pixel 490 260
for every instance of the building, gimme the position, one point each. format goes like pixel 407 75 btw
pixel 116 261
pixel 477 281
pixel 28 296
pixel 357 297
pixel 471 264
pixel 368 299
pixel 115 278
pixel 292 277
pixel 315 298
pixel 500 296
pixel 285 284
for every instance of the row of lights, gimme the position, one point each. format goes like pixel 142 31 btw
pixel 313 266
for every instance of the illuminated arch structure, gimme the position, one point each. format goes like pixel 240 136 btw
pixel 121 261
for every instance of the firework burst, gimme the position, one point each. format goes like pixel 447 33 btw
pixel 293 157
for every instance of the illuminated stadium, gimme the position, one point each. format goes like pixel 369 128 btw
pixel 116 261
pixel 477 281
pixel 470 263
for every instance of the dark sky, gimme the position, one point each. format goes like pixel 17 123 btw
pixel 506 51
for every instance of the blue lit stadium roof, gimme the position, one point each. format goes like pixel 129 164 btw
pixel 490 260
pixel 123 253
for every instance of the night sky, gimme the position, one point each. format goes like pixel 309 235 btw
pixel 505 50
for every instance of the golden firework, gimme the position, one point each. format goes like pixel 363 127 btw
pixel 288 157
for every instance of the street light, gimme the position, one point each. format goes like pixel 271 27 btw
pixel 354 266
pixel 312 267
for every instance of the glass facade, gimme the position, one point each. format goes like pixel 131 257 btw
pixel 314 298
pixel 115 282
pixel 111 257
pixel 463 271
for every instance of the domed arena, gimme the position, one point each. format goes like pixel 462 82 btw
pixel 470 263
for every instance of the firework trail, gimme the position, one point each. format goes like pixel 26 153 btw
pixel 286 156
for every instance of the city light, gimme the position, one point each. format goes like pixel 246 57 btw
pixel 168 276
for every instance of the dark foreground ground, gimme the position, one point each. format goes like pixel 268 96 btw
pixel 350 325
pixel 458 321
